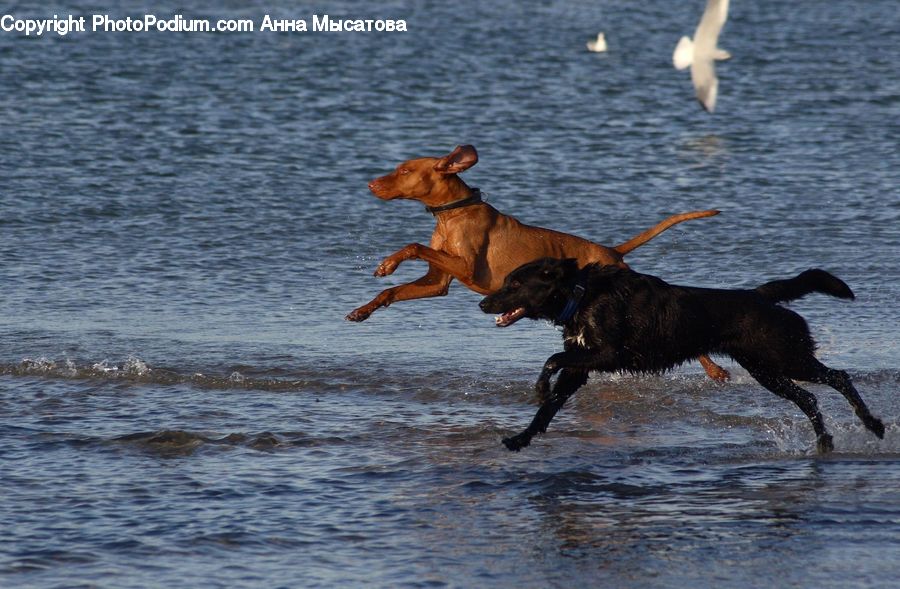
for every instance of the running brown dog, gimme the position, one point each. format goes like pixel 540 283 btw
pixel 478 245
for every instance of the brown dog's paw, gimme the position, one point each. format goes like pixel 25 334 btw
pixel 713 370
pixel 718 374
pixel 358 315
pixel 386 268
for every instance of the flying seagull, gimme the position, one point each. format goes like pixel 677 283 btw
pixel 701 53
pixel 598 46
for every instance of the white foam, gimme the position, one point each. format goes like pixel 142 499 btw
pixel 134 366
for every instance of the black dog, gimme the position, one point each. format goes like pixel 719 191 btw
pixel 616 319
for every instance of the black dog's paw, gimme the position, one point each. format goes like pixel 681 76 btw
pixel 518 442
pixel 825 444
pixel 876 426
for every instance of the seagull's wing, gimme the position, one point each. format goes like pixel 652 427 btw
pixel 707 34
pixel 706 37
pixel 703 75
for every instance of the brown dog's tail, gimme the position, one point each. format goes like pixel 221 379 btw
pixel 815 280
pixel 642 238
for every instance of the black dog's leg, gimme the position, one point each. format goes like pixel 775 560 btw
pixel 569 381
pixel 576 358
pixel 840 381
pixel 788 389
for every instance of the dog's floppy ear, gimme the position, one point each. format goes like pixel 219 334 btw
pixel 570 265
pixel 459 160
pixel 560 269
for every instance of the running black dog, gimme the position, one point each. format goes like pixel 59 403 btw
pixel 616 319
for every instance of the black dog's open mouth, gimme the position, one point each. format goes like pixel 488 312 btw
pixel 507 319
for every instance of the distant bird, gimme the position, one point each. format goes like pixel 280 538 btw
pixel 598 46
pixel 701 54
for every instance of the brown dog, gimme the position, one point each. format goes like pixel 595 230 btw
pixel 476 244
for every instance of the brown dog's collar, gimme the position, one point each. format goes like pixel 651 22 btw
pixel 469 200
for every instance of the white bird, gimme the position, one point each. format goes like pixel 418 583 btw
pixel 598 46
pixel 701 53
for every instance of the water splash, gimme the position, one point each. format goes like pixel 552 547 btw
pixel 48 367
pixel 795 438
pixel 131 367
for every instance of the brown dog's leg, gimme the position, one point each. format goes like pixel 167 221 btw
pixel 433 284
pixel 713 370
pixel 455 266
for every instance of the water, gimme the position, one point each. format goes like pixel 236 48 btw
pixel 184 223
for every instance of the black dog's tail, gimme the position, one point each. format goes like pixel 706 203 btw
pixel 815 280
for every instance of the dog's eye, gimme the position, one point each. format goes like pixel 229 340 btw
pixel 403 171
pixel 515 284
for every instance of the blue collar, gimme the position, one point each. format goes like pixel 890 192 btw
pixel 574 299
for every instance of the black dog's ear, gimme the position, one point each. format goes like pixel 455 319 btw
pixel 559 269
pixel 570 265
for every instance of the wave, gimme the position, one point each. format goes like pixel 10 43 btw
pixel 319 379
pixel 786 438
pixel 177 442
pixel 374 378
pixel 688 404
pixel 182 442
pixel 136 370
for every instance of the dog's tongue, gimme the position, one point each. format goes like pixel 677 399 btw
pixel 507 319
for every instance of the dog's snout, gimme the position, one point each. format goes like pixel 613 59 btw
pixel 382 187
